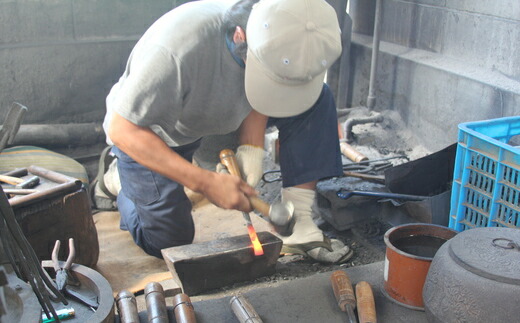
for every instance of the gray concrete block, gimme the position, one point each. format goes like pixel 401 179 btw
pixel 116 18
pixel 508 9
pixel 482 39
pixel 433 93
pixel 62 83
pixel 35 21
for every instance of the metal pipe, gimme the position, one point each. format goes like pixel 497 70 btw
pixel 127 307
pixel 354 121
pixel 183 309
pixel 51 135
pixel 371 100
pixel 155 303
pixel 243 310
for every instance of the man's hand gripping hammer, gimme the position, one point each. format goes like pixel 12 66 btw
pixel 280 215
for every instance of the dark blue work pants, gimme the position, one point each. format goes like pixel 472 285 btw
pixel 157 212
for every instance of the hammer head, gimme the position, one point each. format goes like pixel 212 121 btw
pixel 30 182
pixel 281 217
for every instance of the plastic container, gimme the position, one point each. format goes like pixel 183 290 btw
pixel 486 178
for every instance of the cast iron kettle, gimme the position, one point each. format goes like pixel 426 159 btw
pixel 475 277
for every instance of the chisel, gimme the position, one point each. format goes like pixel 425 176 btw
pixel 229 160
pixel 344 293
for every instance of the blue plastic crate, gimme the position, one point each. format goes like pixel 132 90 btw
pixel 486 176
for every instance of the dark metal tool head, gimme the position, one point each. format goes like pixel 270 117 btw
pixel 281 217
pixel 30 182
pixel 62 273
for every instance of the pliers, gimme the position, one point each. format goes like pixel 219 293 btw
pixel 65 280
pixel 63 273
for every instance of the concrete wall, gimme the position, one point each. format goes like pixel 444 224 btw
pixel 60 57
pixel 442 62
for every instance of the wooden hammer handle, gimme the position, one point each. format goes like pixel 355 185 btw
pixel 11 180
pixel 343 291
pixel 228 159
pixel 366 306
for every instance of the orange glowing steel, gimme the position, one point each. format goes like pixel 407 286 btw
pixel 257 246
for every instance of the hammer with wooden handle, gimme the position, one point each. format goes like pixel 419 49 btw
pixel 20 182
pixel 279 214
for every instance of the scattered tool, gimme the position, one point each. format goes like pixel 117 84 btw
pixel 344 293
pixel 63 273
pixel 183 309
pixel 351 153
pixel 19 191
pixel 280 214
pixel 20 182
pixel 228 159
pixel 155 303
pixel 346 194
pixel 366 306
pixel 243 310
pixel 65 281
pixel 127 307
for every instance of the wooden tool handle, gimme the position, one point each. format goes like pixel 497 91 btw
pixel 351 153
pixel 227 157
pixel 343 290
pixel 366 305
pixel 260 205
pixel 11 180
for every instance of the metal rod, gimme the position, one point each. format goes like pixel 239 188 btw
pixel 371 100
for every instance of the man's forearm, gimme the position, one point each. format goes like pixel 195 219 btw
pixel 149 150
pixel 252 130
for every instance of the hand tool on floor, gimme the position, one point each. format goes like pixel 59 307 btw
pixel 351 153
pixel 63 273
pixel 345 194
pixel 20 182
pixel 243 310
pixel 183 309
pixel 280 214
pixel 155 303
pixel 19 191
pixel 344 293
pixel 366 306
pixel 227 157
pixel 65 280
pixel 127 307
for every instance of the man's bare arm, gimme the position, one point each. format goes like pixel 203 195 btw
pixel 149 150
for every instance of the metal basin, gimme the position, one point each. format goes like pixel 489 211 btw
pixel 410 249
pixel 475 277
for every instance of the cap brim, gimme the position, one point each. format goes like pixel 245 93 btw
pixel 275 99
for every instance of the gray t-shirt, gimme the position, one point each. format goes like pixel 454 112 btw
pixel 180 79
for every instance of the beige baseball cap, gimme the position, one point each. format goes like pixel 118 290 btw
pixel 291 44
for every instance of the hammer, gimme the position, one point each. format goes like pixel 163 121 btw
pixel 279 214
pixel 20 182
